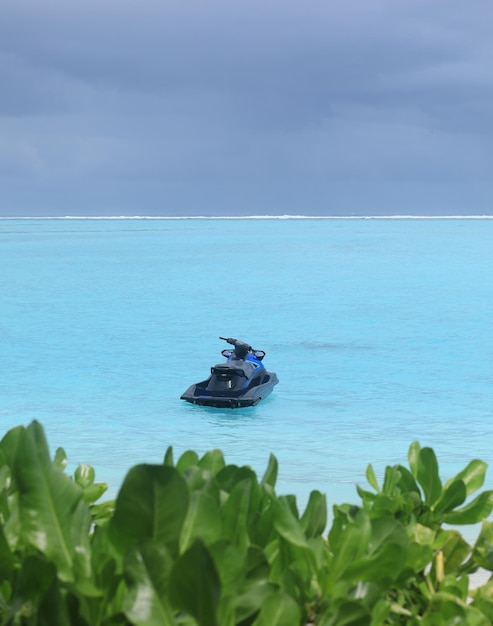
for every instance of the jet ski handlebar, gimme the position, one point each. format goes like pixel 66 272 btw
pixel 241 348
pixel 233 342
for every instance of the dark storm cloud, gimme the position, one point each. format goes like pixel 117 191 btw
pixel 248 107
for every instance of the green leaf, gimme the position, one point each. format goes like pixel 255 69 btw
pixel 10 443
pixel 446 609
pixel 203 520
pixel 250 599
pixel 231 564
pixel 346 613
pixel 84 475
pixel 194 585
pixel 455 585
pixel 384 531
pixel 413 457
pixel 231 475
pixel 186 460
pixel 212 461
pixel 474 512
pixel 9 509
pixel 427 475
pixel 314 519
pixel 4 471
pixel 348 540
pixel 452 496
pixel 79 536
pixel 104 560
pixel 49 503
pixel 455 551
pixel 286 523
pixel 244 498
pixel 386 556
pixel 101 513
pixel 278 609
pixel 5 484
pixel 34 581
pixel 472 476
pixel 483 548
pixel 423 535
pixel 94 492
pixel 147 569
pixel 483 599
pixel 406 482
pixel 371 478
pixel 152 504
pixel 391 479
pixel 367 497
pixel 7 561
pixel 168 457
pixel 60 458
pixel 270 476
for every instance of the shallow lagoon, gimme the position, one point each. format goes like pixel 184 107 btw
pixel 379 330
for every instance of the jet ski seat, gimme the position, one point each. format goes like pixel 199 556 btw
pixel 234 368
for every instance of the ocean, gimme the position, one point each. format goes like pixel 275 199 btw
pixel 380 331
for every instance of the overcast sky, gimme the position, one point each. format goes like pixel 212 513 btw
pixel 246 107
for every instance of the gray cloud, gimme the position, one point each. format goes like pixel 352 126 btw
pixel 249 107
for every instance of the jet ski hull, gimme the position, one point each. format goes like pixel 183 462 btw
pixel 199 394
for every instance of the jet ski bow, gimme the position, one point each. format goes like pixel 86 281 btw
pixel 240 381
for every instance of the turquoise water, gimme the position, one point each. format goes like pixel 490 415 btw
pixel 380 332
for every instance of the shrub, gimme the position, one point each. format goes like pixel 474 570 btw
pixel 200 542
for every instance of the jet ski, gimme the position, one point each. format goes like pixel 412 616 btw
pixel 240 381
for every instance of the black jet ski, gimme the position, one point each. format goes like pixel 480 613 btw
pixel 240 381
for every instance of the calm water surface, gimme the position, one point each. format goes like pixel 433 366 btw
pixel 380 332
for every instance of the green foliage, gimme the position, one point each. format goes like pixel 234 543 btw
pixel 198 542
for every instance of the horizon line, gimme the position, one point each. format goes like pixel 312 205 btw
pixel 243 217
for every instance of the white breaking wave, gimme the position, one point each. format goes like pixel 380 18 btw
pixel 252 217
